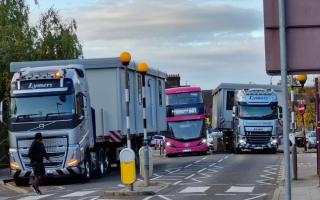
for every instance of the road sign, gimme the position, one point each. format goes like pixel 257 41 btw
pixel 302 32
pixel 301 108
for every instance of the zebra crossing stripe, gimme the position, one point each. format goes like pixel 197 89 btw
pixel 79 194
pixel 237 189
pixel 35 197
pixel 194 189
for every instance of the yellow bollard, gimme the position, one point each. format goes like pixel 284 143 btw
pixel 128 166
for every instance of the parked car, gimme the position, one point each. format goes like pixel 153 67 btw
pixel 212 138
pixel 156 140
pixel 312 139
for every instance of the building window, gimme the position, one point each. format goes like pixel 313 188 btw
pixel 160 92
pixel 230 100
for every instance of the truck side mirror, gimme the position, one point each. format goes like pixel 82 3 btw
pixel 4 111
pixel 234 111
pixel 280 112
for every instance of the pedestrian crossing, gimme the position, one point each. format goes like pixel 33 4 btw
pixel 217 190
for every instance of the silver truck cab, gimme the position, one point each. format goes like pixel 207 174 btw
pixel 256 120
pixel 52 100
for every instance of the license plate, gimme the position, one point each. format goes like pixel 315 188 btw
pixel 186 150
pixel 258 148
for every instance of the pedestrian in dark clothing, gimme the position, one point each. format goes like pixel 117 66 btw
pixel 36 154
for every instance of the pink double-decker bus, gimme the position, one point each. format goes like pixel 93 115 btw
pixel 186 122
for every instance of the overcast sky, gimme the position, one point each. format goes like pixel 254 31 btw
pixel 206 41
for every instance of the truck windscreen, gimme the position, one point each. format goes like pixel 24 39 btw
pixel 186 130
pixel 40 108
pixel 184 98
pixel 258 112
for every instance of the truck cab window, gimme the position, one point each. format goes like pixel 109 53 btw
pixel 80 105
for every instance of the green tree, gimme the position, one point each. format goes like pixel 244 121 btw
pixel 57 40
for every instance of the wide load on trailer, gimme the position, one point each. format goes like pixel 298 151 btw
pixel 79 107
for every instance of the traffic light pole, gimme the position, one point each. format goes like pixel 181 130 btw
pixel 283 60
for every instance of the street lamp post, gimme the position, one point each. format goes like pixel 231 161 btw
pixel 125 59
pixel 143 69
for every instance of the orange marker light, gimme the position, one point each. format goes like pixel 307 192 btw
pixel 58 74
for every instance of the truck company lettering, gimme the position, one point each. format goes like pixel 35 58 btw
pixel 258 98
pixel 39 85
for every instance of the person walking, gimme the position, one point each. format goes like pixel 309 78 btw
pixel 36 154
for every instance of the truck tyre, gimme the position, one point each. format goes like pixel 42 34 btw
pixel 21 181
pixel 238 151
pixel 102 163
pixel 86 175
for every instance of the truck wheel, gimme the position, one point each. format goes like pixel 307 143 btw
pixel 21 181
pixel 86 175
pixel 102 164
pixel 237 151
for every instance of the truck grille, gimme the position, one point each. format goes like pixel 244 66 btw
pixel 258 137
pixel 56 148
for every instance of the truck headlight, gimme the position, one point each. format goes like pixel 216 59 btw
pixel 73 162
pixel 15 166
pixel 242 141
pixel 274 141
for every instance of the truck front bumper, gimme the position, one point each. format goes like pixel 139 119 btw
pixel 258 146
pixel 72 171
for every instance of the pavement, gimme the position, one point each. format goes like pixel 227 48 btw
pixel 307 185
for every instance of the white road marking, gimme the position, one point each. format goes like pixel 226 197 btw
pixel 79 194
pixel 220 160
pixel 156 178
pixel 213 170
pixel 259 195
pixel 147 198
pixel 240 189
pixel 163 197
pixel 174 171
pixel 212 165
pixel 197 161
pixel 188 177
pixel 204 158
pixel 201 170
pixel 188 166
pixel 120 185
pixel 225 194
pixel 176 183
pixel 219 167
pixel 35 197
pixel 194 189
pixel 226 157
